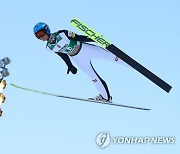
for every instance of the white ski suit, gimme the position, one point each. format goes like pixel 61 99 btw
pixel 66 43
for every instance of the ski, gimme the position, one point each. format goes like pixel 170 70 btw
pixel 78 99
pixel 119 53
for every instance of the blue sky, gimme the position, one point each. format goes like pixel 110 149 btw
pixel 148 31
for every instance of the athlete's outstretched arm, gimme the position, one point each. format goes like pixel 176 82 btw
pixel 71 35
pixel 67 60
pixel 82 38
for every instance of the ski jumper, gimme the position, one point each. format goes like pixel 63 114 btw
pixel 66 43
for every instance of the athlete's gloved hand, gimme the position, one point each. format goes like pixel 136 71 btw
pixel 72 69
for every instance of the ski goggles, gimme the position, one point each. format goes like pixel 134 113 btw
pixel 40 34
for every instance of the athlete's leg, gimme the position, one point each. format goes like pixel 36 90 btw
pixel 97 52
pixel 84 63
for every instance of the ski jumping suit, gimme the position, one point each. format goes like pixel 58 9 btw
pixel 66 43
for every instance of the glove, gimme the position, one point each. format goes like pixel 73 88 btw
pixel 72 69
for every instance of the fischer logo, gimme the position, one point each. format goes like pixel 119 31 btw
pixel 90 33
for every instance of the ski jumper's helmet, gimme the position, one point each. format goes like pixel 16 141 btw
pixel 42 26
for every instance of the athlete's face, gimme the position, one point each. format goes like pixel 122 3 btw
pixel 42 35
pixel 44 38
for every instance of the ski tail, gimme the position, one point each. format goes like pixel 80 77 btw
pixel 141 69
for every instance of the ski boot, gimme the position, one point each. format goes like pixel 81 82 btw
pixel 101 99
